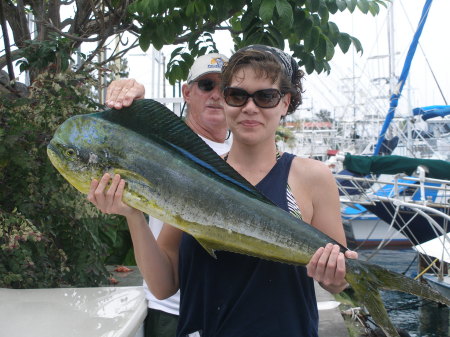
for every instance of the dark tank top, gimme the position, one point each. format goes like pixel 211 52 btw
pixel 242 296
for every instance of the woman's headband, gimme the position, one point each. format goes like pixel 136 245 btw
pixel 289 64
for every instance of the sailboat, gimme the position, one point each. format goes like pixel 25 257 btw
pixel 410 192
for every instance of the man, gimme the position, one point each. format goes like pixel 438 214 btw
pixel 205 117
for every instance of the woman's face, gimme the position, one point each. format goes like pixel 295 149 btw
pixel 250 123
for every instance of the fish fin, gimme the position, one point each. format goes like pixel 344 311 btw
pixel 155 121
pixel 131 176
pixel 371 299
pixel 389 280
pixel 367 279
pixel 205 245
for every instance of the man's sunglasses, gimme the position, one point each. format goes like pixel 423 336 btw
pixel 266 98
pixel 206 84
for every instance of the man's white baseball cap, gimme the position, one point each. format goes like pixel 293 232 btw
pixel 206 64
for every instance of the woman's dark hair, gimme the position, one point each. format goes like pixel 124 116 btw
pixel 266 64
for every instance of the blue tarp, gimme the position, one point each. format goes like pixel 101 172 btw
pixel 432 111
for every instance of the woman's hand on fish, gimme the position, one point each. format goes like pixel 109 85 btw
pixel 121 93
pixel 327 266
pixel 109 200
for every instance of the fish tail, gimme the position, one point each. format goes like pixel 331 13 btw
pixel 367 279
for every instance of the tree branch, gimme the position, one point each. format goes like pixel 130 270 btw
pixel 7 44
pixel 15 55
pixel 92 55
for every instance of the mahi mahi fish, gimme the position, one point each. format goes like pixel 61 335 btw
pixel 173 175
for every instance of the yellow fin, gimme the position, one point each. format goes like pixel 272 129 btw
pixel 207 248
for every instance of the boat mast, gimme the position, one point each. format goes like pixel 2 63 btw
pixel 401 82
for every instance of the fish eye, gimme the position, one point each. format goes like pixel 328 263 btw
pixel 70 152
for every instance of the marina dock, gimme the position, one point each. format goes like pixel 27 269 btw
pixel 331 322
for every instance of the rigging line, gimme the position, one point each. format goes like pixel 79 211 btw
pixel 426 59
pixel 324 84
pixel 342 100
pixel 393 102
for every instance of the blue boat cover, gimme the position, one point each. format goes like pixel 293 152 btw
pixel 432 111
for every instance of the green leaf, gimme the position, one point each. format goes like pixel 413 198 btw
pixel 326 67
pixel 363 6
pixel 357 44
pixel 299 17
pixel 190 9
pixel 383 2
pixel 187 57
pixel 341 4
pixel 169 32
pixel 312 39
pixel 344 42
pixel 185 67
pixel 255 3
pixel 332 6
pixel 275 33
pixel 312 5
pixel 152 6
pixel 374 8
pixel 200 8
pixel 324 14
pixel 305 28
pixel 309 64
pixel 266 10
pixel 316 19
pixel 236 23
pixel 176 52
pixel 175 74
pixel 247 20
pixel 145 37
pixel 321 48
pixel 351 5
pixel 333 31
pixel 324 49
pixel 329 49
pixel 318 66
pixel 285 11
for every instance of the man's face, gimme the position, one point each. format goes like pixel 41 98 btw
pixel 204 100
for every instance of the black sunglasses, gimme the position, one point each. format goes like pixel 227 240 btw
pixel 206 84
pixel 266 98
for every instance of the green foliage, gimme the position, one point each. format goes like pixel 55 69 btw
pixel 182 58
pixel 39 55
pixel 28 258
pixel 75 239
pixel 304 24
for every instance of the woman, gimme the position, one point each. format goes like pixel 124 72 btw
pixel 237 295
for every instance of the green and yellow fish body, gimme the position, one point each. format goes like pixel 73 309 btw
pixel 173 175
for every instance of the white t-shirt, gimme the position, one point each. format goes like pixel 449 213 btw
pixel 171 304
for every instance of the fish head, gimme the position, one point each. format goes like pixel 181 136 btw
pixel 78 151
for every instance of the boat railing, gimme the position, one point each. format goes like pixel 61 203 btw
pixel 364 190
pixel 426 200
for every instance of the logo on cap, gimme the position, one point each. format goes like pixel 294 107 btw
pixel 216 62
